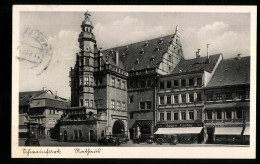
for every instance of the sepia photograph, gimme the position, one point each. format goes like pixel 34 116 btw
pixel 93 81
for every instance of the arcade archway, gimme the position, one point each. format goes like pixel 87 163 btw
pixel 118 127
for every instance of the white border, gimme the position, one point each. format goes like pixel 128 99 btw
pixel 138 152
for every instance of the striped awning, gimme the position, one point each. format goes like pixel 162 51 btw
pixel 228 130
pixel 186 130
pixel 247 130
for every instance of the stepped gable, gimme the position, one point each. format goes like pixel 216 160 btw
pixel 129 54
pixel 231 71
pixel 197 64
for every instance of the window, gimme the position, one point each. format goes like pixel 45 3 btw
pixel 176 116
pixel 169 68
pixel 131 115
pixel 169 100
pixel 142 105
pixel 228 96
pixel 149 83
pixel 191 82
pixel 198 96
pixel 123 106
pixel 131 84
pixel 199 115
pixel 91 81
pixel 228 114
pixel 86 61
pixel 191 97
pixel 239 94
pixel 176 99
pixel 219 115
pixel 81 102
pixel 176 83
pixel 86 102
pixel 191 115
pixel 247 94
pixel 112 104
pixel 91 103
pixel 170 57
pixel 131 99
pixel 142 84
pixel 209 115
pixel 161 85
pixel 118 83
pixel 183 115
pixel 123 85
pixel 239 113
pixel 162 100
pixel 210 97
pixel 169 84
pixel 199 81
pixel 113 82
pixel 80 81
pixel 161 116
pixel 118 105
pixel 86 80
pixel 183 98
pixel 219 96
pixel 169 116
pixel 148 105
pixel 100 103
pixel 103 133
pixel 183 82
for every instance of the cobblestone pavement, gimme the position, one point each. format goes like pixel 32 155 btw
pixel 128 144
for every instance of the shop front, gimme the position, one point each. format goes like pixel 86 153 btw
pixel 185 135
pixel 227 135
pixel 246 135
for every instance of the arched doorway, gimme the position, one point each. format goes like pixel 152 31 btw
pixel 75 135
pixel 118 127
pixel 91 136
pixel 65 135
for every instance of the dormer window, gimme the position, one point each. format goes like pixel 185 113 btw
pixel 161 41
pixel 152 58
pixel 137 61
pixel 157 48
pixel 127 48
pixel 146 44
pixel 142 51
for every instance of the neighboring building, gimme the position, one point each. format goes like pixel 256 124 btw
pixel 180 99
pixel 227 103
pixel 42 108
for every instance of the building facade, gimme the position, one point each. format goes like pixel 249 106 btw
pixel 181 99
pixel 227 103
pixel 43 109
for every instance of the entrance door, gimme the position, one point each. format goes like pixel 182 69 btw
pixel 145 129
pixel 132 133
pixel 91 135
pixel 65 136
pixel 75 135
pixel 210 132
pixel 118 128
pixel 80 135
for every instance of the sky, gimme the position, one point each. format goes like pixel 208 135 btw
pixel 227 33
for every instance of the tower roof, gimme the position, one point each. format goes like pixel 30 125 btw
pixel 87 21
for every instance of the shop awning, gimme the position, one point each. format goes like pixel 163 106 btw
pixel 247 130
pixel 228 130
pixel 186 130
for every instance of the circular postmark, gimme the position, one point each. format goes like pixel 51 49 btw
pixel 34 50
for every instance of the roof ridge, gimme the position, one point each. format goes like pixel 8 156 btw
pixel 139 42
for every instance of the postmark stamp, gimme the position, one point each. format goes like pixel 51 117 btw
pixel 34 50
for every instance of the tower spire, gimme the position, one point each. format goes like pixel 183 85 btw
pixel 176 30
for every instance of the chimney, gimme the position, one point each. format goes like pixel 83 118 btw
pixel 44 88
pixel 56 94
pixel 117 58
pixel 207 60
pixel 238 56
pixel 176 30
pixel 197 54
